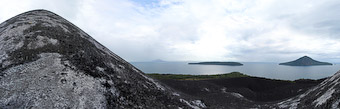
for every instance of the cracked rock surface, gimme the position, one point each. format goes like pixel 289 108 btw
pixel 47 62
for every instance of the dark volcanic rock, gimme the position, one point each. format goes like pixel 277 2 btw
pixel 47 62
pixel 250 92
pixel 305 61
pixel 326 95
pixel 240 91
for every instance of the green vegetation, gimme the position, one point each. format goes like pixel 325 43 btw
pixel 196 77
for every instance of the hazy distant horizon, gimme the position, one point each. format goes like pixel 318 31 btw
pixel 217 61
pixel 202 30
pixel 267 70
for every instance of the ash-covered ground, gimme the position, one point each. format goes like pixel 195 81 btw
pixel 47 62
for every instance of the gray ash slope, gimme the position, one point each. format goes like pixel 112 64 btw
pixel 326 95
pixel 47 62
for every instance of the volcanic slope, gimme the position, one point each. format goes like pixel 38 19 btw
pixel 305 61
pixel 326 95
pixel 47 62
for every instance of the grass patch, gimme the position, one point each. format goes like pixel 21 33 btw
pixel 196 77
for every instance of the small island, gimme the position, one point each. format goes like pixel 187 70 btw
pixel 218 63
pixel 305 61
pixel 158 60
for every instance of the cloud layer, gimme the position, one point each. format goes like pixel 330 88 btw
pixel 202 30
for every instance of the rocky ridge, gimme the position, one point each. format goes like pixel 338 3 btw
pixel 326 95
pixel 47 62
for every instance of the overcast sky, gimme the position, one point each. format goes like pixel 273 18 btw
pixel 202 30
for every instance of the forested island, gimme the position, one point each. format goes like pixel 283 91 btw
pixel 305 61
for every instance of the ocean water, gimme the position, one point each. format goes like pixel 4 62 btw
pixel 267 70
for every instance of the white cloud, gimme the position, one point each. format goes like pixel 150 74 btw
pixel 202 30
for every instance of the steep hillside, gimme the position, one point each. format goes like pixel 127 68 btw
pixel 326 95
pixel 47 62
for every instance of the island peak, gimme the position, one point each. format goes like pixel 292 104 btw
pixel 305 61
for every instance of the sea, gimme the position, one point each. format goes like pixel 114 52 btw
pixel 258 69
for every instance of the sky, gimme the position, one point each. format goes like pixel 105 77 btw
pixel 202 30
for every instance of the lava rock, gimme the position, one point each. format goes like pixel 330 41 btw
pixel 48 62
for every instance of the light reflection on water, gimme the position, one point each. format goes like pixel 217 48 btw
pixel 268 70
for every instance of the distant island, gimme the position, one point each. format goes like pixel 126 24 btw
pixel 158 60
pixel 305 61
pixel 219 63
